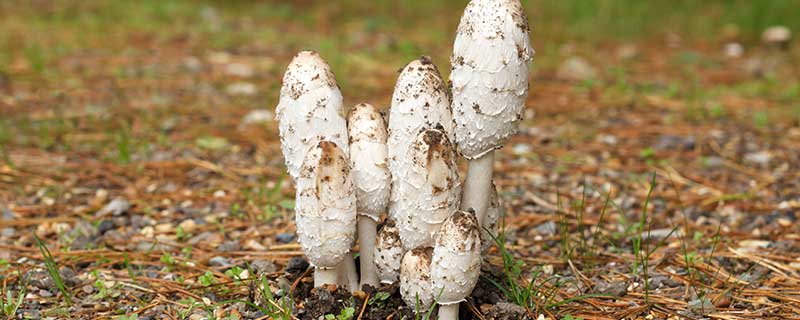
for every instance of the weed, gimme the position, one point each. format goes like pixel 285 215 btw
pixel 52 269
pixel 345 314
pixel 207 278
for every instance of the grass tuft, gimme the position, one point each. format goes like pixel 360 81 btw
pixel 52 269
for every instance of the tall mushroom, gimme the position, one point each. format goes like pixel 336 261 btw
pixel 429 188
pixel 420 101
pixel 325 210
pixel 310 110
pixel 388 253
pixel 367 132
pixel 456 262
pixel 415 279
pixel 490 69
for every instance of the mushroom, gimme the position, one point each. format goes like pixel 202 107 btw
pixel 429 188
pixel 415 279
pixel 310 109
pixel 493 214
pixel 490 69
pixel 325 210
pixel 420 101
pixel 367 132
pixel 456 262
pixel 388 253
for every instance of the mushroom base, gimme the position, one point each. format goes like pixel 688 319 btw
pixel 367 233
pixel 448 312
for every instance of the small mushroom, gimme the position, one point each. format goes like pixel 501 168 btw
pixel 420 101
pixel 429 188
pixel 325 210
pixel 456 262
pixel 415 279
pixel 493 214
pixel 310 109
pixel 388 253
pixel 367 132
pixel 490 70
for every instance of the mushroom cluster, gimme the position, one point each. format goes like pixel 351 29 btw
pixel 352 172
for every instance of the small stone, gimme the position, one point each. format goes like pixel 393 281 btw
pixel 239 70
pixel 218 262
pixel 254 245
pixel 284 237
pixel 188 226
pixel 733 50
pixel 627 51
pixel 116 207
pixel 227 246
pixel 546 229
pixel 7 232
pixel 296 265
pixel 262 266
pixel 105 226
pixel 617 288
pixel 776 35
pixel 87 289
pixel 258 116
pixel 219 194
pixel 45 294
pixel 702 306
pixel 506 311
pixel 192 64
pixel 241 89
pixel 576 69
pixel 761 158
pixel 522 149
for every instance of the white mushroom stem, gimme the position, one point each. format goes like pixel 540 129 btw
pixel 478 186
pixel 448 312
pixel 348 275
pixel 325 276
pixel 367 234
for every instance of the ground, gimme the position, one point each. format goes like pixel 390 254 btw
pixel 656 175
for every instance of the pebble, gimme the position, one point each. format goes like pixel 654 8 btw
pixel 188 225
pixel 284 237
pixel 761 158
pixel 258 116
pixel 616 288
pixel 576 69
pixel 254 245
pixel 219 262
pixel 116 207
pixel 262 266
pixel 241 89
pixel 87 289
pixel 702 306
pixel 733 50
pixel 227 246
pixel 105 226
pixel 776 35
pixel 239 70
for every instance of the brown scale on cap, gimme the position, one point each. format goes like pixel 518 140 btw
pixel 333 166
pixel 425 255
pixel 458 232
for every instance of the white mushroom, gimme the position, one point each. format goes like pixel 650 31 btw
pixel 388 253
pixel 490 69
pixel 310 109
pixel 420 101
pixel 415 279
pixel 325 210
pixel 429 188
pixel 367 132
pixel 493 214
pixel 456 262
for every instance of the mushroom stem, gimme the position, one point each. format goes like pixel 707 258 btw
pixel 325 276
pixel 448 312
pixel 348 276
pixel 478 186
pixel 367 233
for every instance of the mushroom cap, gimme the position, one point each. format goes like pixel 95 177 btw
pixel 420 100
pixel 388 253
pixel 415 279
pixel 429 189
pixel 493 214
pixel 310 109
pixel 456 258
pixel 490 70
pixel 368 153
pixel 325 205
